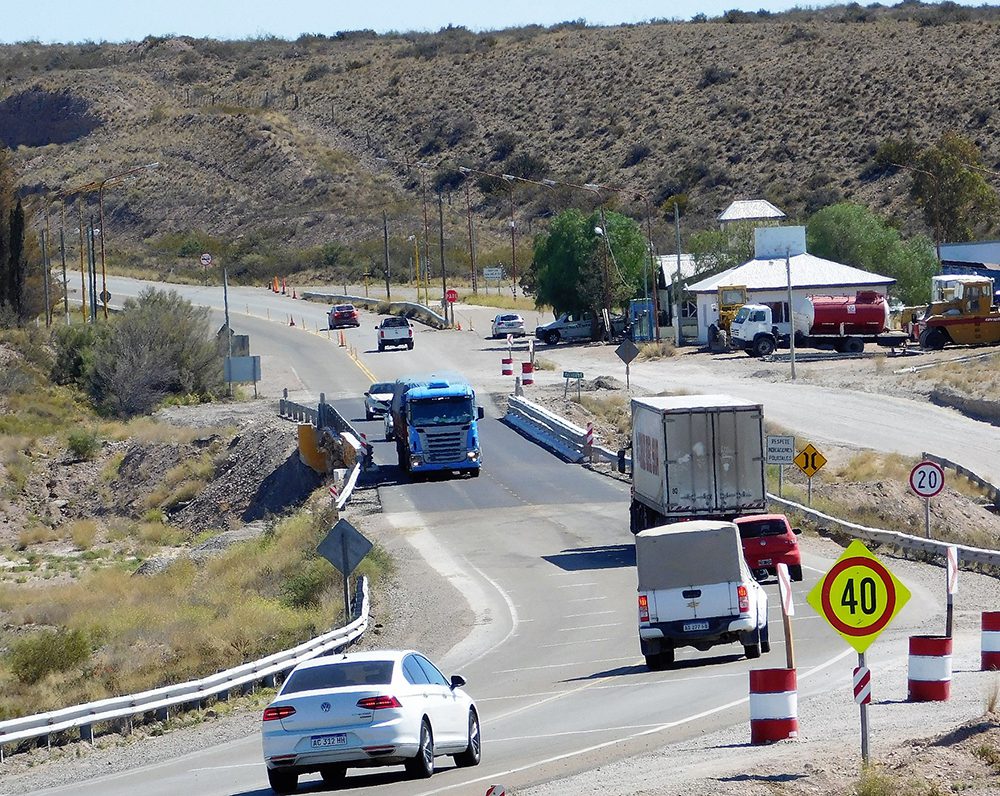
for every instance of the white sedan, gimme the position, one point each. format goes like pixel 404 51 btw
pixel 367 709
pixel 508 323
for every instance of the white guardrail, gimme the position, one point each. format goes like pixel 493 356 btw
pixel 160 700
pixel 554 432
pixel 568 440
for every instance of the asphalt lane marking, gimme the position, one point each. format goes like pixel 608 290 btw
pixel 587 627
pixel 595 613
pixel 586 599
pixel 581 641
pixel 563 665
pixel 639 734
pixel 575 585
pixel 223 768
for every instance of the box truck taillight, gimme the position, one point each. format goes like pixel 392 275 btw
pixel 744 598
pixel 643 608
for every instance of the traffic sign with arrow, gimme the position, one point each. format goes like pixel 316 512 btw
pixel 809 460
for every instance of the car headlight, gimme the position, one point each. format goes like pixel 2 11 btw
pixel 415 461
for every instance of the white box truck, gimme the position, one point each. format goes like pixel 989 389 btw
pixel 696 457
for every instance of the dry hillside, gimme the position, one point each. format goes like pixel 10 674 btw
pixel 286 145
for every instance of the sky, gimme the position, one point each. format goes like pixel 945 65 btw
pixel 50 21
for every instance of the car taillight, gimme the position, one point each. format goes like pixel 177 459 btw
pixel 410 332
pixel 744 598
pixel 379 702
pixel 279 712
pixel 643 608
pixel 381 333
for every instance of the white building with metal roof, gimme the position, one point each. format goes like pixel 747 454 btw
pixel 750 210
pixel 766 277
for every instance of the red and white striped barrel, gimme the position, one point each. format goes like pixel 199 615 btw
pixel 929 671
pixel 991 641
pixel 774 705
pixel 507 366
pixel 527 373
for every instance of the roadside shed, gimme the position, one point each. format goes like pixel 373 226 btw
pixel 766 277
pixel 750 210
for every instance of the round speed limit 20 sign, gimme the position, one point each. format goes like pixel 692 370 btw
pixel 859 596
pixel 927 479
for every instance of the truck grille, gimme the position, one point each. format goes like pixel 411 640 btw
pixel 444 446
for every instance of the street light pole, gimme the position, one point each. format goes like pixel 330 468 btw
pixel 513 250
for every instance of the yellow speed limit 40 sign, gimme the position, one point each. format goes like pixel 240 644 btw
pixel 859 596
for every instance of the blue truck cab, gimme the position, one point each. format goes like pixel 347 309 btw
pixel 436 423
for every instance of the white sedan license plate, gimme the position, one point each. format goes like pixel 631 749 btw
pixel 323 741
pixel 690 627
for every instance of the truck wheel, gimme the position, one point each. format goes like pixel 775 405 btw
pixel 795 572
pixel 409 345
pixel 763 346
pixel 552 338
pixel 713 333
pixel 381 348
pixel 661 660
pixel 853 345
pixel 751 651
pixel 765 640
pixel 934 339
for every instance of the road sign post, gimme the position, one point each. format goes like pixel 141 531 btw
pixel 787 611
pixel 626 352
pixel 810 461
pixel 859 597
pixel 344 547
pixel 952 587
pixel 780 451
pixel 572 374
pixel 927 480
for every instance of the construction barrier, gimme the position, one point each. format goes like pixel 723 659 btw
pixel 774 705
pixel 991 641
pixel 507 366
pixel 527 373
pixel 929 670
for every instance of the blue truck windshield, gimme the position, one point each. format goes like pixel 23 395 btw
pixel 441 412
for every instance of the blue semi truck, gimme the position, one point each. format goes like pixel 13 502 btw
pixel 435 419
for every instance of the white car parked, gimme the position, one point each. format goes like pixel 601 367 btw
pixel 367 709
pixel 508 323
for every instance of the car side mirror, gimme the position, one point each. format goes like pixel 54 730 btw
pixel 480 414
pixel 457 681
pixel 796 531
pixel 367 394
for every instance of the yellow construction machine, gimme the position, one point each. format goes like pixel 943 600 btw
pixel 729 300
pixel 961 312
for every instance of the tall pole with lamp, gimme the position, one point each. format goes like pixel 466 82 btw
pixel 510 178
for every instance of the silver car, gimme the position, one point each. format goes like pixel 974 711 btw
pixel 377 399
pixel 508 323
pixel 367 709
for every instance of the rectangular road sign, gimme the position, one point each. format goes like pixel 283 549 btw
pixel 780 449
pixel 572 374
pixel 493 273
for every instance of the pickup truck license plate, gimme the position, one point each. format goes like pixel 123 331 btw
pixel 322 741
pixel 692 626
pixel 765 562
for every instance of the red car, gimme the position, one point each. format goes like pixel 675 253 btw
pixel 344 315
pixel 768 540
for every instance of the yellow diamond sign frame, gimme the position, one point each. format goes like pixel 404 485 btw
pixel 809 460
pixel 859 596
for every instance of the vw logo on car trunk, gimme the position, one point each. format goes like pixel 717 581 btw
pixel 325 707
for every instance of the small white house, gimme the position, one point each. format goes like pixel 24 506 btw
pixel 780 257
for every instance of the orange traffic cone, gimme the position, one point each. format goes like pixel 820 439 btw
pixel 291 321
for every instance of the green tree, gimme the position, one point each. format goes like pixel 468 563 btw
pixel 717 250
pixel 574 266
pixel 852 234
pixel 13 263
pixel 948 185
pixel 158 346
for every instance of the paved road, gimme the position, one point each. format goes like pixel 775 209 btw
pixel 542 552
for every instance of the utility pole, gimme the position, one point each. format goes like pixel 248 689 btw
pixel 513 249
pixel 444 279
pixel 385 238
pixel 45 276
pixel 677 279
pixel 104 273
pixel 607 275
pixel 62 253
pixel 83 270
pixel 472 245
